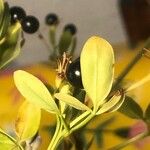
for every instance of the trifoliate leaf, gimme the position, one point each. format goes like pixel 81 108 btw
pixel 131 109
pixel 113 104
pixel 28 121
pixel 97 69
pixel 72 101
pixel 7 142
pixel 34 91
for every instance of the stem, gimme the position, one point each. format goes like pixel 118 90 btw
pixel 56 142
pixel 42 38
pixel 130 141
pixel 59 133
pixel 52 36
pixel 53 144
pixel 82 123
pixel 64 124
pixel 78 119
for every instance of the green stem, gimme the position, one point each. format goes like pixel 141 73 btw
pixel 53 144
pixel 64 124
pixel 130 141
pixel 82 123
pixel 56 141
pixel 78 119
pixel 76 124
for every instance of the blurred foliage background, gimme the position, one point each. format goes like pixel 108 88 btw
pixel 125 23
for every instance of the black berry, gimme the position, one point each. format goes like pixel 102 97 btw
pixel 73 74
pixel 71 28
pixel 17 14
pixel 30 24
pixel 51 19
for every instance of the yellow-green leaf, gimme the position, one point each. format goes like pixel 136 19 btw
pixel 34 91
pixel 28 121
pixel 7 142
pixel 97 68
pixel 113 104
pixel 66 90
pixel 72 101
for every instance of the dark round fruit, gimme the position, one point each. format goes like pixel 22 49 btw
pixel 71 28
pixel 30 24
pixel 17 14
pixel 73 74
pixel 51 19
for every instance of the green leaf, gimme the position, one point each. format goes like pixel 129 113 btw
pixel 65 41
pixel 7 142
pixel 131 109
pixel 5 22
pixel 34 91
pixel 28 121
pixel 72 101
pixel 97 69
pixel 147 113
pixel 10 49
pixel 113 104
pixel 122 132
pixel 66 90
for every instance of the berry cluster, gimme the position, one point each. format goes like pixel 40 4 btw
pixel 52 19
pixel 30 24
